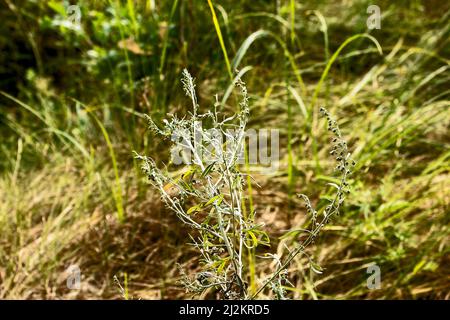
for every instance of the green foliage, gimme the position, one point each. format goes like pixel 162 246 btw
pixel 67 90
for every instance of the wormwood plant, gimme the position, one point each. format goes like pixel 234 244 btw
pixel 208 196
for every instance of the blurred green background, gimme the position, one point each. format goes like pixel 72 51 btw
pixel 73 95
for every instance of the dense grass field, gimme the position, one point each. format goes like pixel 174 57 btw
pixel 74 92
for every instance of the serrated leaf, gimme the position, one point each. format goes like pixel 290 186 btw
pixel 219 199
pixel 254 239
pixel 193 209
pixel 315 268
pixel 222 265
pixel 57 7
pixel 333 185
pixel 208 169
pixel 265 237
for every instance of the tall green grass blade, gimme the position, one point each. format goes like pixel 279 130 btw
pixel 219 35
pixel 300 102
pixel 272 16
pixel 231 86
pixel 132 14
pixel 117 9
pixel 25 106
pixel 50 127
pixel 292 14
pixel 333 58
pixel 246 45
pixel 324 29
pixel 166 39
pixel 117 190
pixel 264 33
